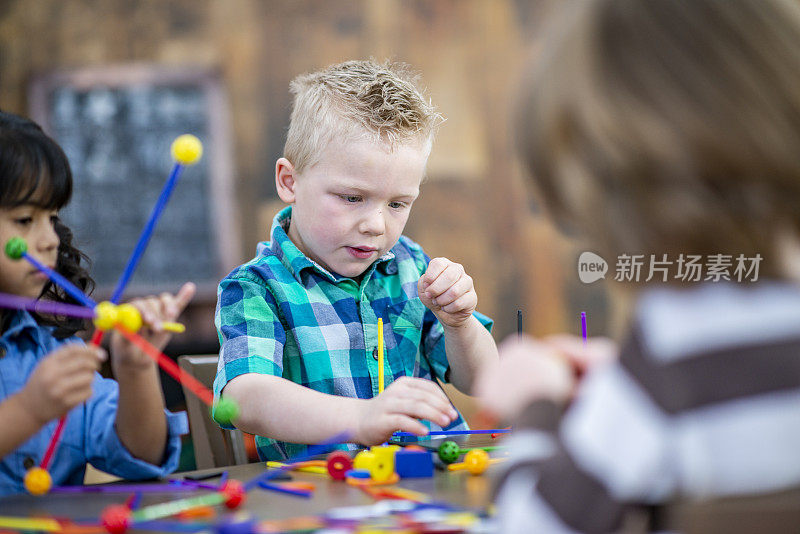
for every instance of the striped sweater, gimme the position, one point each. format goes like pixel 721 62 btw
pixel 704 401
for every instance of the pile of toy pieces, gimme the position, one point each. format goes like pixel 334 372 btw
pixel 373 471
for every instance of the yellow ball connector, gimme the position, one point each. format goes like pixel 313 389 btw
pixel 37 481
pixel 187 149
pixel 127 316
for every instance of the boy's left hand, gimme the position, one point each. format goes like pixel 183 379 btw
pixel 155 311
pixel 448 292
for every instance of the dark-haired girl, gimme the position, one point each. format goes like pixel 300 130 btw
pixel 120 427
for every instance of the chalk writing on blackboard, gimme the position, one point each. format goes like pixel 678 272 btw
pixel 116 132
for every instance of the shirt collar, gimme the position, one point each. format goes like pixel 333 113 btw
pixel 297 262
pixel 20 322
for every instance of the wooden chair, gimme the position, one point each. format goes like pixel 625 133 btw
pixel 213 446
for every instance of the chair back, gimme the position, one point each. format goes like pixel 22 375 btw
pixel 213 446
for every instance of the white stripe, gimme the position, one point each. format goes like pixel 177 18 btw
pixel 746 446
pixel 679 323
pixel 529 445
pixel 616 433
pixel 520 510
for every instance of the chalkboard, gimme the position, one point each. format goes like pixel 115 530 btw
pixel 116 125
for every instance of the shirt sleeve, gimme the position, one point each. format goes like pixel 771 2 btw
pixel 106 452
pixel 432 344
pixel 251 334
pixel 610 450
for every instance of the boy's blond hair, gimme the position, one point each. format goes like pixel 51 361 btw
pixel 669 126
pixel 357 100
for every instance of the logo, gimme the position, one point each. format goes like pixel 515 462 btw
pixel 591 267
pixel 686 268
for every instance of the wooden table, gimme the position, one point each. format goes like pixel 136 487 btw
pixel 456 487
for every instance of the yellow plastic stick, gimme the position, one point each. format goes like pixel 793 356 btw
pixel 26 523
pixel 380 355
pixel 319 470
pixel 177 328
pixel 410 495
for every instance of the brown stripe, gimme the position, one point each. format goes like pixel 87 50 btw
pixel 540 415
pixel 713 377
pixel 529 468
pixel 578 498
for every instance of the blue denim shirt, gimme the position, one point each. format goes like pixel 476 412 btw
pixel 89 434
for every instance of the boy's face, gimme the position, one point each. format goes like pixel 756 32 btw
pixel 351 207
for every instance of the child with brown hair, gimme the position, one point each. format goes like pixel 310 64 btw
pixel 667 129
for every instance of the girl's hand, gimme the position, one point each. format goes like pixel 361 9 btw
pixel 528 370
pixel 398 408
pixel 448 292
pixel 61 381
pixel 155 310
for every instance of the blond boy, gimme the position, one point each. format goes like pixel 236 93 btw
pixel 298 323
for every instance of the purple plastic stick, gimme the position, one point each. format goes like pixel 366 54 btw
pixel 583 327
pixel 193 484
pixel 16 302
pixel 124 488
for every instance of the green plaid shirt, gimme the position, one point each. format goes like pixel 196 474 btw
pixel 282 314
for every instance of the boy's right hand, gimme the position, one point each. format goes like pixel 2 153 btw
pixel 61 381
pixel 398 408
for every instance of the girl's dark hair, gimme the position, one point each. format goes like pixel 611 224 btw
pixel 34 170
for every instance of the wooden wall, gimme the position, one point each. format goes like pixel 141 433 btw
pixel 474 207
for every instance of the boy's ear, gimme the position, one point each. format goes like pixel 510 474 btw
pixel 285 180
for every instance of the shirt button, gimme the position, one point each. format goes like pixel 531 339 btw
pixel 375 353
pixel 28 462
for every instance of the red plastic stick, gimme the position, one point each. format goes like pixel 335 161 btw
pixel 202 392
pixel 48 455
pixel 51 448
pixel 97 338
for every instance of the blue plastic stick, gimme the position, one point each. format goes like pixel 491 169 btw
pixel 174 526
pixel 272 487
pixel 136 501
pixel 452 433
pixel 73 291
pixel 222 480
pixel 166 191
pixel 313 450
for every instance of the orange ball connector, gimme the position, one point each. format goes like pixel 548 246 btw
pixel 476 461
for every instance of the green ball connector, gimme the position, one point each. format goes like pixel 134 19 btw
pixel 449 451
pixel 16 247
pixel 225 411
